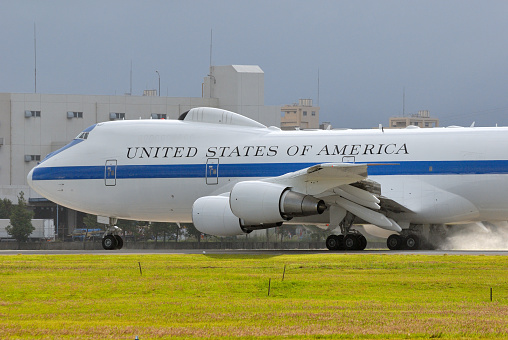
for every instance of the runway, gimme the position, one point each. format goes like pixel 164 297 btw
pixel 263 252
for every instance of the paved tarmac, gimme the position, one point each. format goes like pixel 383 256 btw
pixel 251 252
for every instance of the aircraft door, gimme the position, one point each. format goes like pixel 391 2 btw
pixel 110 172
pixel 212 171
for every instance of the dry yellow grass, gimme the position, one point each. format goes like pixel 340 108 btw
pixel 198 296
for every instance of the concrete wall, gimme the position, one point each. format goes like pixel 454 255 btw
pixel 5 136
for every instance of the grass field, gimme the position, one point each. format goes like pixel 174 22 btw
pixel 220 296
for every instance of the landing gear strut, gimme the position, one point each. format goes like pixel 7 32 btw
pixel 111 240
pixel 349 239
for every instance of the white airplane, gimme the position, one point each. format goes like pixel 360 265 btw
pixel 230 175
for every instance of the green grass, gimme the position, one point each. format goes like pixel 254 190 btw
pixel 221 296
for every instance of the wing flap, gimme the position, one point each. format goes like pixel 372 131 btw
pixel 322 177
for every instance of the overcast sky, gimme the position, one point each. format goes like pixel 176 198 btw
pixel 451 57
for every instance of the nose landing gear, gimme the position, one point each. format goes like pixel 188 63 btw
pixel 111 240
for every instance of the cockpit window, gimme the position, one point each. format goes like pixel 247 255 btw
pixel 84 135
pixel 183 115
pixel 80 138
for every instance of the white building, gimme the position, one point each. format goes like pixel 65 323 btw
pixel 33 125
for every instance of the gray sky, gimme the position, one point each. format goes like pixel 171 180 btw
pixel 450 56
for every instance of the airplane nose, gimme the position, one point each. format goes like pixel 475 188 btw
pixel 29 178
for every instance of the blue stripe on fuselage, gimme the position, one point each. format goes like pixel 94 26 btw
pixel 266 170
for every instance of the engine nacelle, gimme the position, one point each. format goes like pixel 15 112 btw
pixel 256 202
pixel 212 215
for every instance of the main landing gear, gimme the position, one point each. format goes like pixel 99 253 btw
pixel 348 239
pixel 406 242
pixel 111 240
pixel 352 241
pixel 418 237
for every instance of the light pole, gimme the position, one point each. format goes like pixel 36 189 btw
pixel 159 82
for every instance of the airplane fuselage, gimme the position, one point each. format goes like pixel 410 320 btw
pixel 155 169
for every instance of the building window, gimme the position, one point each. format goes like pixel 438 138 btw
pixel 159 116
pixel 29 114
pixel 313 113
pixel 116 115
pixel 29 158
pixel 74 114
pixel 304 113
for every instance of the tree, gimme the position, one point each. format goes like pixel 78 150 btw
pixel 5 208
pixel 192 231
pixel 21 220
pixel 128 228
pixel 160 228
pixel 91 221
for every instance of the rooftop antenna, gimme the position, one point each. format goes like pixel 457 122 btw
pixel 403 101
pixel 210 74
pixel 211 44
pixel 318 86
pixel 35 61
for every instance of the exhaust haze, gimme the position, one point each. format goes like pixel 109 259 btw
pixel 477 236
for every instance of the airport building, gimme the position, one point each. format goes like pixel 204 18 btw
pixel 421 119
pixel 301 115
pixel 32 125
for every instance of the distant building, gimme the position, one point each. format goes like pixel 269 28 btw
pixel 241 89
pixel 300 116
pixel 421 119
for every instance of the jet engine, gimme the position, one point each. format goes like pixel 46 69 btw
pixel 252 205
pixel 212 215
pixel 257 202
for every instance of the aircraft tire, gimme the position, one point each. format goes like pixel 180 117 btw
pixel 394 242
pixel 412 242
pixel 119 242
pixel 333 242
pixel 362 242
pixel 109 242
pixel 351 242
pixel 341 242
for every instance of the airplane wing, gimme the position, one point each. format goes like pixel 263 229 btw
pixel 319 178
pixel 345 185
